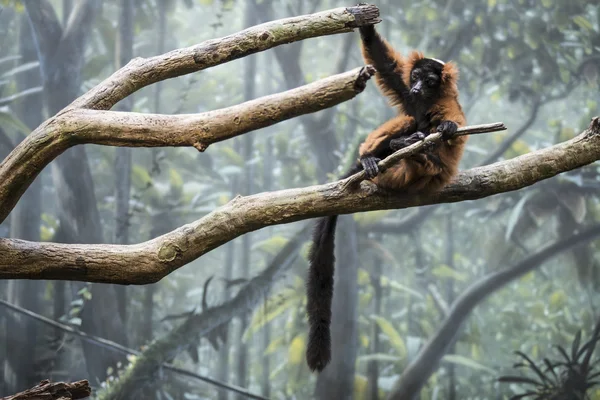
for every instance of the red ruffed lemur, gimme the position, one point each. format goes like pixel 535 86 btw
pixel 426 95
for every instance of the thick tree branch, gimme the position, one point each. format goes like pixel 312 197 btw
pixel 150 261
pixel 142 72
pixel 418 372
pixel 80 126
pixel 201 130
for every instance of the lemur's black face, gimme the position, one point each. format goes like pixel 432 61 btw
pixel 426 78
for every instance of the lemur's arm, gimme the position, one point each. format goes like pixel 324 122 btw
pixel 377 144
pixel 388 63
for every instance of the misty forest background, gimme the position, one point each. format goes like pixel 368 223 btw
pixel 533 65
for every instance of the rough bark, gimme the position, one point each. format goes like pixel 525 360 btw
pixel 114 128
pixel 60 391
pixel 142 72
pixel 150 261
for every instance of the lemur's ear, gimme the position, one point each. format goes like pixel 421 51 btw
pixel 450 73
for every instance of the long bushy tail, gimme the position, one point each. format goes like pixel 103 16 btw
pixel 319 287
pixel 320 293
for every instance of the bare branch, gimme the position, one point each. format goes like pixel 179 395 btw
pixel 142 72
pixel 60 391
pixel 150 261
pixel 418 372
pixel 80 126
pixel 200 130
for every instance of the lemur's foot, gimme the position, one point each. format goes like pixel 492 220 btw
pixel 370 166
pixel 364 75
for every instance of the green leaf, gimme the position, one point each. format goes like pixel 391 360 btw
pixel 583 22
pixel 296 350
pixel 9 119
pixel 514 216
pixel 140 176
pixel 400 287
pixel 392 334
pixel 379 357
pixel 444 271
pixel 274 345
pixel 274 307
pixel 175 179
pixel 271 245
pixel 232 156
pixel 467 362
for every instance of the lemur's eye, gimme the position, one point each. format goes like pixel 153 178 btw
pixel 415 74
pixel 431 80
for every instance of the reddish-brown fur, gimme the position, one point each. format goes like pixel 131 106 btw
pixel 433 106
pixel 418 174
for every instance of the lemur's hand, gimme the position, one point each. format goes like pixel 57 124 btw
pixel 369 164
pixel 400 143
pixel 448 129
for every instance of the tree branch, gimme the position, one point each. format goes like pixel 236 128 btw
pixel 418 372
pixel 142 72
pixel 150 261
pixel 418 147
pixel 60 391
pixel 80 126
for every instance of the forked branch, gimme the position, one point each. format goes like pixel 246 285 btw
pixel 79 126
pixel 150 261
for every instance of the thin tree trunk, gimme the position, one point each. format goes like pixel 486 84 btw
pixel 248 187
pixel 266 330
pixel 450 300
pixel 148 307
pixel 373 368
pixel 124 53
pixel 223 361
pixel 67 6
pixel 20 371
